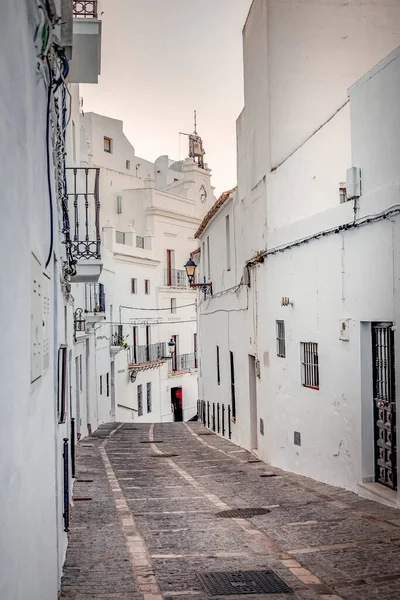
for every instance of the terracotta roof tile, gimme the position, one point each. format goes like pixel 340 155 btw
pixel 213 211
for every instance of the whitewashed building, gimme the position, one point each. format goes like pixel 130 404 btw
pixel 297 342
pixel 46 53
pixel 148 216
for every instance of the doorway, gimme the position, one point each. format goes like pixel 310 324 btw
pixel 384 404
pixel 253 404
pixel 177 403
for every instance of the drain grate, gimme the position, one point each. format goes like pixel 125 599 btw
pixel 254 460
pixel 242 582
pixel 152 442
pixel 242 513
pixel 268 475
pixel 163 455
pixel 205 433
pixel 84 480
pixel 81 499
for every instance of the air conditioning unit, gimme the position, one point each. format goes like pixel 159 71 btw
pixel 353 183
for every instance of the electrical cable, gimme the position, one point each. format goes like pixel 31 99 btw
pixel 50 192
pixel 147 323
pixel 157 309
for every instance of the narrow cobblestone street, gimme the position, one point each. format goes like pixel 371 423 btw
pixel 145 522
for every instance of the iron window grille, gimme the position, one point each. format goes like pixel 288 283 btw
pixel 101 384
pixel 120 237
pixel 233 391
pixel 119 205
pixel 95 299
pixel 218 368
pixel 140 400
pixel 133 286
pixel 108 384
pixel 175 278
pixel 139 241
pixel 280 339
pixel 148 397
pixel 85 9
pixel 309 365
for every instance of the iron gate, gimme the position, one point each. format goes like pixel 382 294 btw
pixel 384 404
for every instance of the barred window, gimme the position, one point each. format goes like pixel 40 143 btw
pixel 139 241
pixel 133 286
pixel 280 339
pixel 149 397
pixel 140 400
pixel 309 365
pixel 120 237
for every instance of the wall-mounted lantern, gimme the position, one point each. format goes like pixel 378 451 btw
pixel 190 268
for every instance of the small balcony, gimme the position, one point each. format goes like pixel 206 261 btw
pixel 85 65
pixel 150 354
pixel 176 278
pixel 182 363
pixel 95 303
pixel 83 235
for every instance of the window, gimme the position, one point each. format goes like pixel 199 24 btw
pixel 140 400
pixel 170 266
pixel 174 338
pixel 148 397
pixel 62 384
pixel 203 260
pixel 280 339
pixel 147 286
pixel 108 384
pixel 119 207
pixel 233 393
pixel 342 193
pixel 80 373
pixel 128 165
pixel 208 258
pixel 135 342
pixel 228 243
pixel 309 365
pixel 101 384
pixel 107 145
pixel 173 305
pixel 218 369
pixel 120 237
pixel 139 241
pixel 133 286
pixel 148 342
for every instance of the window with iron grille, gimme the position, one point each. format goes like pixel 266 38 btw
pixel 107 145
pixel 309 365
pixel 119 205
pixel 140 400
pixel 133 286
pixel 101 384
pixel 149 397
pixel 147 286
pixel 139 241
pixel 120 237
pixel 218 369
pixel 108 383
pixel 280 339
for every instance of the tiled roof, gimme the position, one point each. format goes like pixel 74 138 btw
pixel 213 211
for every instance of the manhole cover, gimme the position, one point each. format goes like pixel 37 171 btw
pixel 242 582
pixel 242 513
pixel 163 455
pixel 152 442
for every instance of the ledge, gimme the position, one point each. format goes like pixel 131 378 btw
pixel 378 493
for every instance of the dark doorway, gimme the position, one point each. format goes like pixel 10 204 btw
pixel 384 404
pixel 177 403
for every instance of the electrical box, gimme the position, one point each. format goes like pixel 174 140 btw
pixel 344 330
pixel 46 322
pixel 353 183
pixel 36 319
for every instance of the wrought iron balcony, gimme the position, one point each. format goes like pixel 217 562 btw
pixel 85 9
pixel 84 219
pixel 139 355
pixel 176 278
pixel 183 362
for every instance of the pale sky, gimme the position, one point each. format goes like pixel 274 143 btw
pixel 161 59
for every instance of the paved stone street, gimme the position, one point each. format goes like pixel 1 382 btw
pixel 145 522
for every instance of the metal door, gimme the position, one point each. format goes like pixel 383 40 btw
pixel 384 404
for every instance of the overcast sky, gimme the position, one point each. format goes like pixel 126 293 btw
pixel 163 58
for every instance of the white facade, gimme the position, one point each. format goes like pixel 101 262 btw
pixel 149 214
pixel 293 153
pixel 36 292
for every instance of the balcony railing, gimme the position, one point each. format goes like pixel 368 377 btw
pixel 85 9
pixel 95 299
pixel 183 362
pixel 176 278
pixel 145 354
pixel 84 212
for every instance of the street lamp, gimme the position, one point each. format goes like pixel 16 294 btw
pixel 190 268
pixel 171 346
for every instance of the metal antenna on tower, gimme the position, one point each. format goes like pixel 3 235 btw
pixel 195 122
